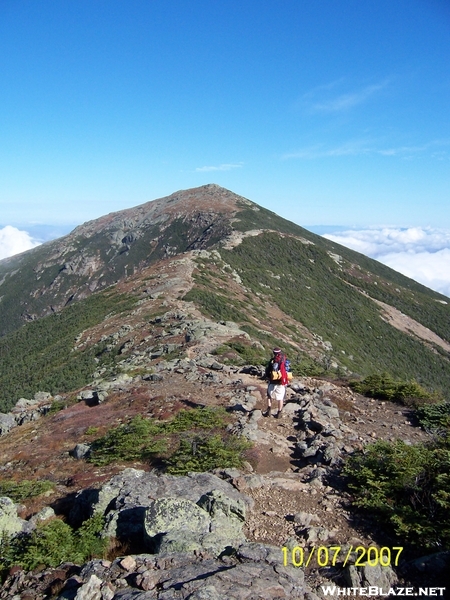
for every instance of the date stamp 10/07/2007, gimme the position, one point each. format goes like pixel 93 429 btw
pixel 324 556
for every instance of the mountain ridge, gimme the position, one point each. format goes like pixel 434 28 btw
pixel 185 332
pixel 334 293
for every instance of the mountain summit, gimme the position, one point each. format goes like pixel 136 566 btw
pixel 103 251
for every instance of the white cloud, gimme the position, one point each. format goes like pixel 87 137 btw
pixel 430 268
pixel 347 101
pixel 13 241
pixel 359 147
pixel 408 151
pixel 350 148
pixel 421 253
pixel 319 99
pixel 223 167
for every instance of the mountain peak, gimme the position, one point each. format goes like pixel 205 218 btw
pixel 210 198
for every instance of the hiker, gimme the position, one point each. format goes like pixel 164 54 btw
pixel 278 379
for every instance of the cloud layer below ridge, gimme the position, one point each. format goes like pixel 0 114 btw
pixel 421 253
pixel 13 241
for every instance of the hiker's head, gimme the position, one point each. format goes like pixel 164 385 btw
pixel 276 351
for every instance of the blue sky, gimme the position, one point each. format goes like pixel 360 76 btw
pixel 329 113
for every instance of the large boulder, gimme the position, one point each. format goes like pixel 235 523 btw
pixel 167 513
pixel 175 516
pixel 213 524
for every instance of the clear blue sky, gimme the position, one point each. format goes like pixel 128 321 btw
pixel 325 111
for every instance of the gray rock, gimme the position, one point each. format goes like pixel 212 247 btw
pixel 209 592
pixel 183 541
pixel 88 502
pixel 7 422
pixel 10 523
pixel 24 403
pixel 168 514
pixel 93 397
pixel 126 498
pixel 213 524
pixel 316 534
pixel 91 590
pixel 227 519
pixel 42 397
pixel 81 451
pixel 254 572
pixel 46 513
pixel 86 395
pixel 382 577
pixel 304 518
pixel 219 505
pixel 153 377
pixel 28 416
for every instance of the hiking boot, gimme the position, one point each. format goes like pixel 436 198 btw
pixel 266 413
pixel 278 415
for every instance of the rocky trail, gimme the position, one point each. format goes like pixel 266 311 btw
pixel 290 493
pixel 290 488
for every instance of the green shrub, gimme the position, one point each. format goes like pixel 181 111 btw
pixel 129 442
pixel 201 453
pixel 383 385
pixel 214 305
pixel 145 439
pixel 91 430
pixel 304 366
pixel 248 354
pixel 19 491
pixel 407 487
pixel 200 418
pixel 434 417
pixel 52 543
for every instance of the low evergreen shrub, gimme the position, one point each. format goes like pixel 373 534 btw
pixel 247 354
pixel 434 417
pixel 131 441
pixel 200 418
pixel 407 487
pixel 384 386
pixel 172 441
pixel 202 453
pixel 52 543
pixel 19 491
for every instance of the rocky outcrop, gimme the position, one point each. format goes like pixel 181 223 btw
pixel 196 512
pixel 255 571
pixel 192 529
pixel 25 411
pixel 322 439
pixel 213 524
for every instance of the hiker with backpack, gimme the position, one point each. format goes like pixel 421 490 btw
pixel 278 376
